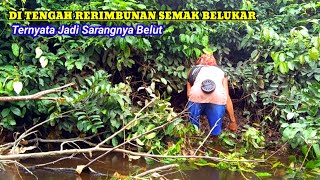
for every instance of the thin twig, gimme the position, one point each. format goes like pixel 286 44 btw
pixel 215 125
pixel 20 165
pixel 276 151
pixel 53 162
pixel 305 157
pixel 23 135
pixel 156 169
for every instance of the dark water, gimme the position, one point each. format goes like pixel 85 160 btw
pixel 108 166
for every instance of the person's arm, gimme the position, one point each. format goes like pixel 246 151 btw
pixel 229 107
pixel 188 87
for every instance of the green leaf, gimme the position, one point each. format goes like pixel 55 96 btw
pixel 38 52
pixel 164 81
pixel 12 122
pixel 282 57
pixel 79 65
pixel 290 115
pixel 281 103
pixel 123 43
pixel 254 54
pixel 170 129
pixel 151 135
pixel 80 125
pixel 115 141
pixel 5 112
pixel 115 123
pixel 289 133
pixel 283 67
pixel 127 52
pixel 69 64
pixel 229 142
pixel 79 113
pixel 198 52
pixel 82 117
pixel 249 30
pixel 205 40
pixel 147 42
pixel 291 65
pixel 208 50
pixel 89 127
pixel 3 8
pixel 275 56
pixel 89 82
pixel 263 174
pixel 15 49
pixel 129 39
pixel 169 89
pixel 316 149
pixel 180 68
pixel 314 53
pixel 302 59
pixel 277 164
pixel 15 111
pixel 182 38
pixel 150 126
pixel 139 142
pixel 313 164
pixel 141 6
pixel 120 100
pixel 266 34
pixel 169 30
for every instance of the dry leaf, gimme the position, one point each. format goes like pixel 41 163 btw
pixel 79 168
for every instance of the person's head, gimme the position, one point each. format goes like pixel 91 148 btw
pixel 207 59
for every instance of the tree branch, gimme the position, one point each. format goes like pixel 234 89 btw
pixel 36 96
pixel 97 149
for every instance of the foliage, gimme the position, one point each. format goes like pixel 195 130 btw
pixel 236 163
pixel 253 138
pixel 96 105
pixel 226 139
pixel 273 61
pixel 279 68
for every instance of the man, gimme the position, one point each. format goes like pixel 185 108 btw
pixel 209 95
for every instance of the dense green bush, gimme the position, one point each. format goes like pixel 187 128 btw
pixel 274 61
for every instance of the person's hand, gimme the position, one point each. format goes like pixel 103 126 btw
pixel 233 126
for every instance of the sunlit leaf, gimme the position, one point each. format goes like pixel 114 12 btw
pixel 139 142
pixel 38 52
pixel 263 174
pixel 290 115
pixel 314 53
pixel 205 40
pixel 15 49
pixel 151 135
pixel 164 81
pixel 43 61
pixel 17 86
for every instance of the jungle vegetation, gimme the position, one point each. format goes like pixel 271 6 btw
pixel 273 66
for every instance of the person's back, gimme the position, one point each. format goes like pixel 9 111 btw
pixel 210 103
pixel 218 96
